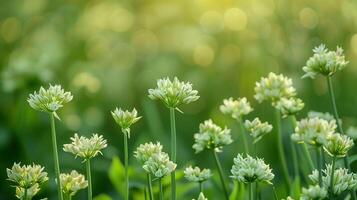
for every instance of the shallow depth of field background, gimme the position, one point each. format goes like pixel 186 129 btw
pixel 109 52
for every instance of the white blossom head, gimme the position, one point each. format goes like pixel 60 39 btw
pixel 211 136
pixel 338 145
pixel 71 183
pixel 201 196
pixel 236 108
pixel 31 191
pixel 313 192
pixel 249 170
pixel 26 176
pixel 145 151
pixel 86 148
pixel 159 164
pixel 173 93
pixel 289 106
pixel 196 174
pixel 352 132
pixel 273 88
pixel 257 129
pixel 322 115
pixel 49 100
pixel 125 119
pixel 314 131
pixel 324 62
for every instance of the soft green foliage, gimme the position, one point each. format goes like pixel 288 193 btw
pixel 71 183
pixel 196 174
pixel 125 118
pixel 236 108
pixel 338 145
pixel 313 192
pixel 257 129
pixel 352 132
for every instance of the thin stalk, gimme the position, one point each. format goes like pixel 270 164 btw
pixel 251 191
pixel 126 164
pixel 161 193
pixel 173 152
pixel 25 195
pixel 319 167
pixel 244 136
pixel 281 150
pixel 256 191
pixel 55 156
pixel 151 195
pixel 332 176
pixel 201 186
pixel 293 151
pixel 220 171
pixel 89 177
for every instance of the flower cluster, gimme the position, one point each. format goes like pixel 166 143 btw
pixel 86 148
pixel 173 93
pixel 326 116
pixel 314 192
pixel 289 106
pixel 196 174
pixel 125 119
pixel 314 131
pixel 201 196
pixel 71 183
pixel 338 145
pixel 159 164
pixel 30 192
pixel 324 62
pixel 49 100
pixel 145 151
pixel 236 108
pixel 211 136
pixel 249 170
pixel 257 129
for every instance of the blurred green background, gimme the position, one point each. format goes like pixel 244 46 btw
pixel 109 53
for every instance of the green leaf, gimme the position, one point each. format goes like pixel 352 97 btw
pixel 116 174
pixel 352 159
pixel 234 193
pixel 295 189
pixel 102 197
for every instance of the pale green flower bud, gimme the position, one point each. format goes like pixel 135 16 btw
pixel 31 191
pixel 86 148
pixel 249 170
pixel 314 131
pixel 173 93
pixel 338 145
pixel 125 119
pixel 352 132
pixel 71 183
pixel 273 88
pixel 196 174
pixel 211 136
pixel 27 175
pixel 159 165
pixel 314 192
pixel 236 108
pixel 257 129
pixel 324 62
pixel 145 151
pixel 289 106
pixel 201 197
pixel 49 100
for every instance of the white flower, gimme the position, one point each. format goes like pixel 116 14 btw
pixel 249 170
pixel 314 192
pixel 324 62
pixel 288 198
pixel 289 106
pixel 159 165
pixel 338 145
pixel 145 151
pixel 26 176
pixel 314 131
pixel 173 93
pixel 196 174
pixel 201 197
pixel 71 183
pixel 31 191
pixel 352 132
pixel 125 119
pixel 273 88
pixel 257 129
pixel 211 136
pixel 49 100
pixel 326 116
pixel 236 108
pixel 86 148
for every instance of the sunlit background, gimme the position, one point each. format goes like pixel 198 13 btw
pixel 109 53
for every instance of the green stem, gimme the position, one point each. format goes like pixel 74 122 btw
pixel 55 156
pixel 25 195
pixel 332 177
pixel 126 164
pixel 244 136
pixel 256 191
pixel 201 186
pixel 161 194
pixel 319 167
pixel 250 191
pixel 151 196
pixel 220 171
pixel 173 152
pixel 293 150
pixel 89 177
pixel 281 150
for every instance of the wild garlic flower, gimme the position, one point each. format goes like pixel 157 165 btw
pixel 145 151
pixel 342 180
pixel 313 192
pixel 71 183
pixel 196 174
pixel 49 100
pixel 352 132
pixel 326 116
pixel 26 176
pixel 273 88
pixel 314 131
pixel 173 93
pixel 288 198
pixel 201 197
pixel 338 145
pixel 236 108
pixel 249 170
pixel 125 119
pixel 31 191
pixel 86 148
pixel 324 62
pixel 289 106
pixel 211 136
pixel 257 129
pixel 159 164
